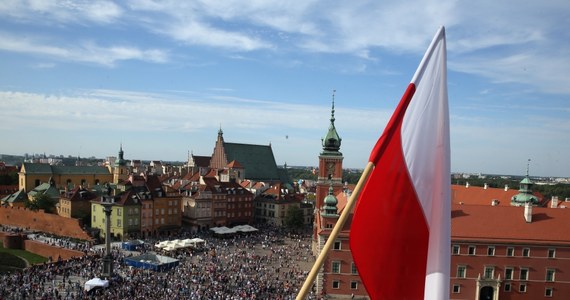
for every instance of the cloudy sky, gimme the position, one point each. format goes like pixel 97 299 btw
pixel 161 77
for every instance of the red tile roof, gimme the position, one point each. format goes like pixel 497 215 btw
pixel 507 224
pixel 234 164
pixel 476 195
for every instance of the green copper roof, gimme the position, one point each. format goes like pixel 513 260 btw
pixel 32 168
pixel 257 160
pixel 330 202
pixel 332 141
pixel 526 180
pixel 19 196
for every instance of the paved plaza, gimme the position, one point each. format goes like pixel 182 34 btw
pixel 269 264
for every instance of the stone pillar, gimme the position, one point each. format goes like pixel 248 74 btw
pixel 107 273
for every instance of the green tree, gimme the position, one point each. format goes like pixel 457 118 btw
pixel 294 218
pixel 42 201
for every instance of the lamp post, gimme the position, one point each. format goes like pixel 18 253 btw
pixel 107 202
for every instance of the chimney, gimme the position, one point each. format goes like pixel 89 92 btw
pixel 506 187
pixel 554 202
pixel 528 212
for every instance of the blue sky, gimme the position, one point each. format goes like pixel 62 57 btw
pixel 161 77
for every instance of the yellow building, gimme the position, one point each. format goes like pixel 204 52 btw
pixel 125 216
pixel 32 175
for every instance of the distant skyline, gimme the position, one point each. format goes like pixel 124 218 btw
pixel 162 77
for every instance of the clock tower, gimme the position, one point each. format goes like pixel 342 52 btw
pixel 330 163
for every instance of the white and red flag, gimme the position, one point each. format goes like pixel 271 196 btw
pixel 400 232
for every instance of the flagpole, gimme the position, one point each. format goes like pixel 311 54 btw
pixel 334 233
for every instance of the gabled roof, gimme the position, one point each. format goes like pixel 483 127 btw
pixel 234 165
pixel 128 198
pixel 45 188
pixel 78 194
pixel 507 224
pixel 257 160
pixel 33 168
pixel 201 161
pixel 19 196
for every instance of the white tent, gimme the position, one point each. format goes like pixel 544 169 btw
pixel 96 282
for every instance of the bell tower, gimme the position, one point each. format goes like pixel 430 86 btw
pixel 121 171
pixel 330 163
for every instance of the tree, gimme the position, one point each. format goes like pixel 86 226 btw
pixel 41 201
pixel 294 218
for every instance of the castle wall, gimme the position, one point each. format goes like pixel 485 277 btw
pixel 40 221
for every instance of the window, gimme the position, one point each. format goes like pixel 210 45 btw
pixel 524 274
pixel 491 251
pixel 455 250
pixel 489 270
pixel 472 250
pixel 336 284
pixel 461 271
pixel 354 285
pixel 507 287
pixel 456 288
pixel 522 288
pixel 93 208
pixel 353 269
pixel 508 273
pixel 119 211
pixel 335 267
pixel 551 253
pixel 337 245
pixel 118 222
pixel 94 218
pixel 510 251
pixel 526 252
pixel 548 292
pixel 550 275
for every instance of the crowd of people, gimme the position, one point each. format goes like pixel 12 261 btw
pixel 268 264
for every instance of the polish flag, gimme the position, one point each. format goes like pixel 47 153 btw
pixel 400 232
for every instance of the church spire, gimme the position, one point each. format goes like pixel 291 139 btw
pixel 331 142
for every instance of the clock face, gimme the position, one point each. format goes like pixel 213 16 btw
pixel 330 169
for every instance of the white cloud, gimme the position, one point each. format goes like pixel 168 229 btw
pixel 83 52
pixel 62 11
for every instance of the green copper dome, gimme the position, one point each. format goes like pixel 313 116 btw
pixel 525 192
pixel 330 202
